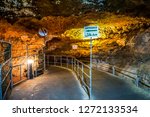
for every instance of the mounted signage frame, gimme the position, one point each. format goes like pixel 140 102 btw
pixel 91 32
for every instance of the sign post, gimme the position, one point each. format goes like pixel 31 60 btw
pixel 91 32
pixel 91 66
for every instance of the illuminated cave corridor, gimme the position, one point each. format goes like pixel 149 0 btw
pixel 75 50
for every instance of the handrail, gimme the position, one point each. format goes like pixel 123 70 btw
pixel 17 65
pixel 80 73
pixel 116 69
pixel 122 69
pixel 82 63
pixel 6 76
pixel 2 41
pixel 3 64
pixel 7 53
pixel 75 65
pixel 102 65
pixel 20 78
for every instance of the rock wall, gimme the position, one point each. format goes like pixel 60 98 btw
pixel 123 40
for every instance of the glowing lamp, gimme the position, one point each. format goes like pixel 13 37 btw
pixel 30 61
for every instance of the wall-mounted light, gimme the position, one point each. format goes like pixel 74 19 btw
pixel 30 74
pixel 30 61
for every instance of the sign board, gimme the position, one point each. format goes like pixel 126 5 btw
pixel 74 47
pixel 43 32
pixel 91 32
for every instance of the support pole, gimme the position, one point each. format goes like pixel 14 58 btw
pixel 54 60
pixel 36 62
pixel 11 67
pixel 72 62
pixel 67 61
pixel 82 74
pixel 61 61
pixel 75 66
pixel 113 70
pixel 44 61
pixel 137 80
pixel 91 68
pixel 27 56
pixel 48 62
pixel 78 69
pixel 20 72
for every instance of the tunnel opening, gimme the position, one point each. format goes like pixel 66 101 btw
pixel 52 45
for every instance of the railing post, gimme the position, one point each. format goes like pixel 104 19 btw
pixel 67 61
pixel 78 69
pixel 113 70
pixel 1 95
pixel 61 61
pixel 11 67
pixel 72 62
pixel 48 63
pixel 137 80
pixel 54 61
pixel 36 65
pixel 75 65
pixel 20 73
pixel 97 64
pixel 44 62
pixel 82 73
pixel 27 56
pixel 11 77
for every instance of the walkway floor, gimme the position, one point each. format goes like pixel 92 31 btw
pixel 109 87
pixel 61 84
pixel 55 84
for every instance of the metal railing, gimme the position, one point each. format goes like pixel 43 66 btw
pixel 5 69
pixel 21 71
pixel 39 59
pixel 18 74
pixel 114 70
pixel 81 69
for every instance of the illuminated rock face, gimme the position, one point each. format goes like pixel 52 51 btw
pixel 123 40
pixel 115 31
